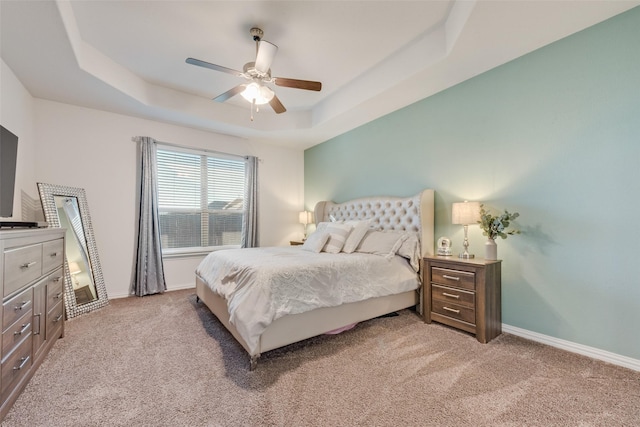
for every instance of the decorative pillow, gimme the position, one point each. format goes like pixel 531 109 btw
pixel 316 241
pixel 360 228
pixel 322 226
pixel 337 236
pixel 385 243
pixel 410 249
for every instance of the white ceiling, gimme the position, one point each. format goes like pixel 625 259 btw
pixel 372 57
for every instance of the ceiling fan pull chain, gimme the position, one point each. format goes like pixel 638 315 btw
pixel 253 104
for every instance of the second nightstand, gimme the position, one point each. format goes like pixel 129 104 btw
pixel 295 243
pixel 465 294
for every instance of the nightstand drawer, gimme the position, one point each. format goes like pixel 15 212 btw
pixel 457 278
pixel 453 296
pixel 455 311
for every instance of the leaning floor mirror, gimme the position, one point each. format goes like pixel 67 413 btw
pixel 84 288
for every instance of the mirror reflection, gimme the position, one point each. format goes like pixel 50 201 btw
pixel 76 249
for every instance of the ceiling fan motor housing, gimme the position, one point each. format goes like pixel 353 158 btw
pixel 256 33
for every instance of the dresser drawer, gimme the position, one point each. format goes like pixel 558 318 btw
pixel 453 296
pixel 21 266
pixel 15 308
pixel 55 317
pixel 52 254
pixel 457 278
pixel 54 289
pixel 16 333
pixel 16 366
pixel 455 311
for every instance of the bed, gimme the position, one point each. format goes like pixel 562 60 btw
pixel 266 328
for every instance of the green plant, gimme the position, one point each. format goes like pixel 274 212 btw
pixel 494 226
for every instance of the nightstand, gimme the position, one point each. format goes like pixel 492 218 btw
pixel 296 242
pixel 464 294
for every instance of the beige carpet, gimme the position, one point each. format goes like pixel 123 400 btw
pixel 164 360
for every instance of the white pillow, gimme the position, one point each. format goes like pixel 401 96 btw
pixel 322 226
pixel 316 241
pixel 337 236
pixel 360 228
pixel 385 243
pixel 410 249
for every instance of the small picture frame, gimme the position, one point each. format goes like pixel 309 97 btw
pixel 444 246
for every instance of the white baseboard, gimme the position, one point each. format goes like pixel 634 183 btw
pixel 595 353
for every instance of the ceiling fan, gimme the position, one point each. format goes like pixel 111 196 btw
pixel 259 74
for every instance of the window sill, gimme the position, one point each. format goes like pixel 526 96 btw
pixel 192 253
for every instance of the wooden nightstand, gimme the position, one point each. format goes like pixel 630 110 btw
pixel 295 242
pixel 464 294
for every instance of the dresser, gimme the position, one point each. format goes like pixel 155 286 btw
pixel 464 294
pixel 32 279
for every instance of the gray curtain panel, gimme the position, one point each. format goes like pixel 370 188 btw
pixel 250 222
pixel 148 271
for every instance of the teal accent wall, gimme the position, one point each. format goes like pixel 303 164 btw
pixel 553 135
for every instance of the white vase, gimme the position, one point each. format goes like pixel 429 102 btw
pixel 491 250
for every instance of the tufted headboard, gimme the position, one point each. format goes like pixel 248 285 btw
pixel 388 213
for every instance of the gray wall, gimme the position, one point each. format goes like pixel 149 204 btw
pixel 553 135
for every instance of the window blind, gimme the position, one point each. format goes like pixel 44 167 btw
pixel 200 200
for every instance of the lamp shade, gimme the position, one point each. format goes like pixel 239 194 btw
pixel 465 213
pixel 305 217
pixel 74 268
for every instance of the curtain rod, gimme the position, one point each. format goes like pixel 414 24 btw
pixel 137 139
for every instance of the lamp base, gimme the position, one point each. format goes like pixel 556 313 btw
pixel 466 255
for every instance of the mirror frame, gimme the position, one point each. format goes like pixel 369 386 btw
pixel 47 194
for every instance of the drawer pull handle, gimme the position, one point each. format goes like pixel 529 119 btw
pixel 39 326
pixel 58 295
pixel 451 295
pixel 23 305
pixel 53 254
pixel 25 328
pixel 450 277
pixel 23 361
pixel 57 319
pixel 453 310
pixel 57 279
pixel 29 264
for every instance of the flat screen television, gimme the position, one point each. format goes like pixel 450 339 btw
pixel 8 158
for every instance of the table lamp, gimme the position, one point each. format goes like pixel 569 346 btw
pixel 305 218
pixel 465 213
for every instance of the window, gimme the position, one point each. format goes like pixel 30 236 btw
pixel 200 200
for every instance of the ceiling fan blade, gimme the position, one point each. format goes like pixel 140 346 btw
pixel 215 67
pixel 277 105
pixel 264 57
pixel 298 84
pixel 230 93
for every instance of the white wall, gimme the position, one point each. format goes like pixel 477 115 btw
pixel 91 149
pixel 16 115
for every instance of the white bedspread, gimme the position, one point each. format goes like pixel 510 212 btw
pixel 264 284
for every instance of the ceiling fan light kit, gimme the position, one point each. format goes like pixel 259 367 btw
pixel 259 73
pixel 257 94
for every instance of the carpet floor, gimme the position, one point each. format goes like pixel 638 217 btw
pixel 165 360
